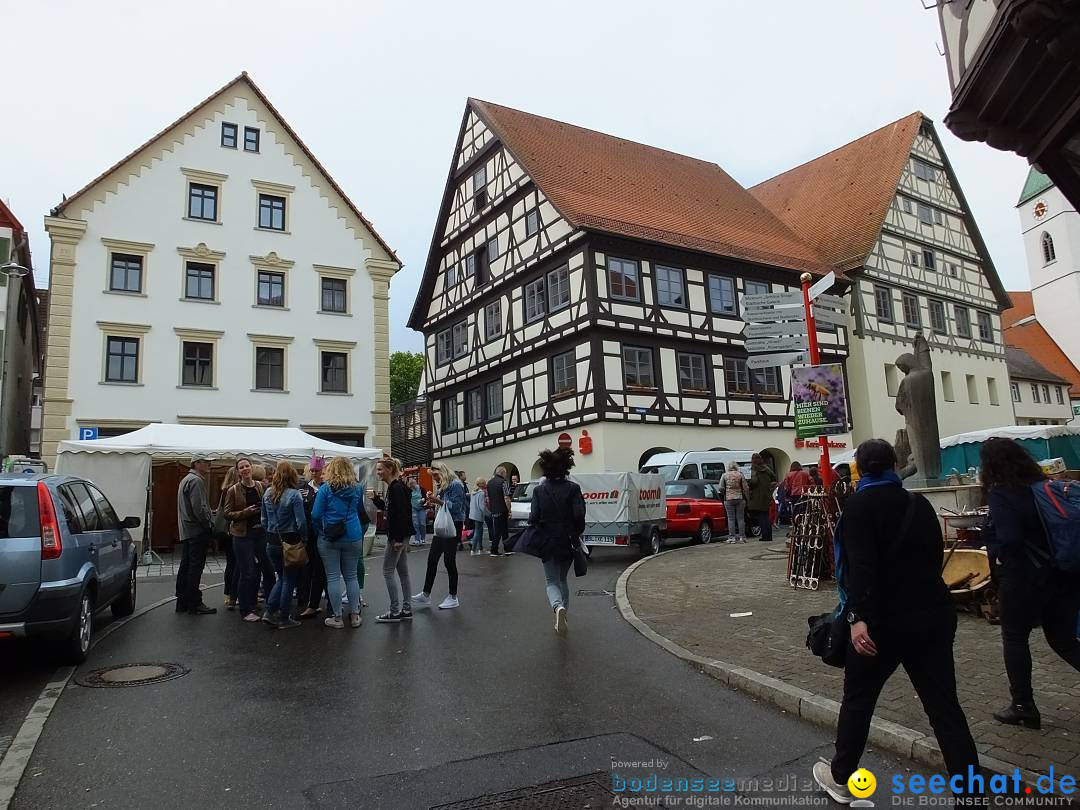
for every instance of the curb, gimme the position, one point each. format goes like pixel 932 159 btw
pixel 822 711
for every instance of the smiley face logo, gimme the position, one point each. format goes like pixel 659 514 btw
pixel 862 783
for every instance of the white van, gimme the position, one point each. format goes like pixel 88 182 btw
pixel 705 464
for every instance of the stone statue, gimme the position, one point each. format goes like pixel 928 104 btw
pixel 903 453
pixel 917 401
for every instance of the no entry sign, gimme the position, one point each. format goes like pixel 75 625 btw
pixel 566 440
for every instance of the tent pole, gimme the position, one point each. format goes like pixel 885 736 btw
pixel 149 557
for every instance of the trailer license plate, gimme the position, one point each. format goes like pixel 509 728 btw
pixel 600 540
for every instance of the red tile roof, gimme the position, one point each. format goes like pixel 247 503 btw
pixel 837 202
pixel 1034 339
pixel 609 184
pixel 245 78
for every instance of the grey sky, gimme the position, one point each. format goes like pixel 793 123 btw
pixel 377 89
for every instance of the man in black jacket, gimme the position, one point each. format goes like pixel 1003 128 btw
pixel 498 500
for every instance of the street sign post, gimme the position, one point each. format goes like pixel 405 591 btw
pixel 795 343
pixel 772 314
pixel 763 330
pixel 829 316
pixel 791 298
pixel 815 354
pixel 832 301
pixel 821 285
pixel 782 359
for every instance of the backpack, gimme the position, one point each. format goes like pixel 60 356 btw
pixel 1058 505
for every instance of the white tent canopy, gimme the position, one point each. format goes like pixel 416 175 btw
pixel 121 466
pixel 1011 432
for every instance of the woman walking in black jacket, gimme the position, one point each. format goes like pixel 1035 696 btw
pixel 558 517
pixel 1030 591
pixel 399 525
pixel 900 612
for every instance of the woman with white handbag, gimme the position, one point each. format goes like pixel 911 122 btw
pixel 449 498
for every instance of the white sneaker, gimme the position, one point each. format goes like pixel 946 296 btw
pixel 449 602
pixel 823 776
pixel 344 599
pixel 421 600
pixel 560 620
pixel 731 540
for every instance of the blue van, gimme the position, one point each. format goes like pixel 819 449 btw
pixel 64 555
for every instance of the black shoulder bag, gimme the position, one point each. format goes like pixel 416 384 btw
pixel 830 635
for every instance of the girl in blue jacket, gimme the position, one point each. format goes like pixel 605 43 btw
pixel 337 512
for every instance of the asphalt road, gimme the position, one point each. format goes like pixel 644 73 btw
pixel 456 705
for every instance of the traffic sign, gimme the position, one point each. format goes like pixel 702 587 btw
pixel 777 344
pixel 773 299
pixel 829 316
pixel 833 301
pixel 762 330
pixel 87 433
pixel 822 284
pixel 783 359
pixel 774 314
pixel 566 440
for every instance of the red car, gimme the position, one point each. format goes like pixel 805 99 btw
pixel 694 509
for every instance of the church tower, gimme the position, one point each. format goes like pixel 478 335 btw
pixel 1051 229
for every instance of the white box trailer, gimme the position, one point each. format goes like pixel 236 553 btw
pixel 621 509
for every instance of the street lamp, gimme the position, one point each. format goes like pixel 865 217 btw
pixel 11 268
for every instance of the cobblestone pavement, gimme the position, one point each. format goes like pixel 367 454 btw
pixel 215 564
pixel 688 597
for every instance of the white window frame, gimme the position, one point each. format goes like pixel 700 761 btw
pixel 556 281
pixel 665 275
pixel 339 346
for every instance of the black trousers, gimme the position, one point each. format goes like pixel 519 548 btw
pixel 313 578
pixel 230 566
pixel 764 523
pixel 189 573
pixel 447 548
pixel 1028 597
pixel 500 530
pixel 925 651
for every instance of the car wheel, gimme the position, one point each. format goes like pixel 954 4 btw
pixel 705 534
pixel 125 605
pixel 73 649
pixel 656 543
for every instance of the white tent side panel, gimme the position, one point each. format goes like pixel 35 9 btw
pixel 123 477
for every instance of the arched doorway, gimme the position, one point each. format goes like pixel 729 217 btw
pixel 511 471
pixel 777 459
pixel 718 449
pixel 536 473
pixel 652 451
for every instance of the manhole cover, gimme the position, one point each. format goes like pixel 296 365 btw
pixel 591 791
pixel 132 675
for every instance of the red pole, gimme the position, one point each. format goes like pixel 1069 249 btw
pixel 824 464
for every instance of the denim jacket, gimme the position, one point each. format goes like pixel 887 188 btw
pixel 456 499
pixel 287 515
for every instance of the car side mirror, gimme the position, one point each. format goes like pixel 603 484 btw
pixel 131 523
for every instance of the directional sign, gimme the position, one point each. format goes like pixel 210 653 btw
pixel 822 284
pixel 834 301
pixel 777 344
pixel 773 299
pixel 784 359
pixel 830 317
pixel 763 330
pixel 771 315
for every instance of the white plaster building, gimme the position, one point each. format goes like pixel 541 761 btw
pixel 1043 321
pixel 218 275
pixel 1039 397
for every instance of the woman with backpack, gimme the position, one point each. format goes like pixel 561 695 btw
pixel 899 612
pixel 284 522
pixel 557 519
pixel 736 492
pixel 451 492
pixel 1031 590
pixel 337 511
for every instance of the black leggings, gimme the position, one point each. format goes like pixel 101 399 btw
pixel 927 656
pixel 445 547
pixel 1027 598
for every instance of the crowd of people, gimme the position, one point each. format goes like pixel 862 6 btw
pixel 293 541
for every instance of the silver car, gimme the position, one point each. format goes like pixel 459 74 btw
pixel 64 555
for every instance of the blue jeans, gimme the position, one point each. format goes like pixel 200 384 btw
pixel 281 597
pixel 340 559
pixel 478 535
pixel 419 522
pixel 558 592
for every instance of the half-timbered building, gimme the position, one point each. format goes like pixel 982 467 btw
pixel 888 211
pixel 587 288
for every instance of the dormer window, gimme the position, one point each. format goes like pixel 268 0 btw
pixel 1049 254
